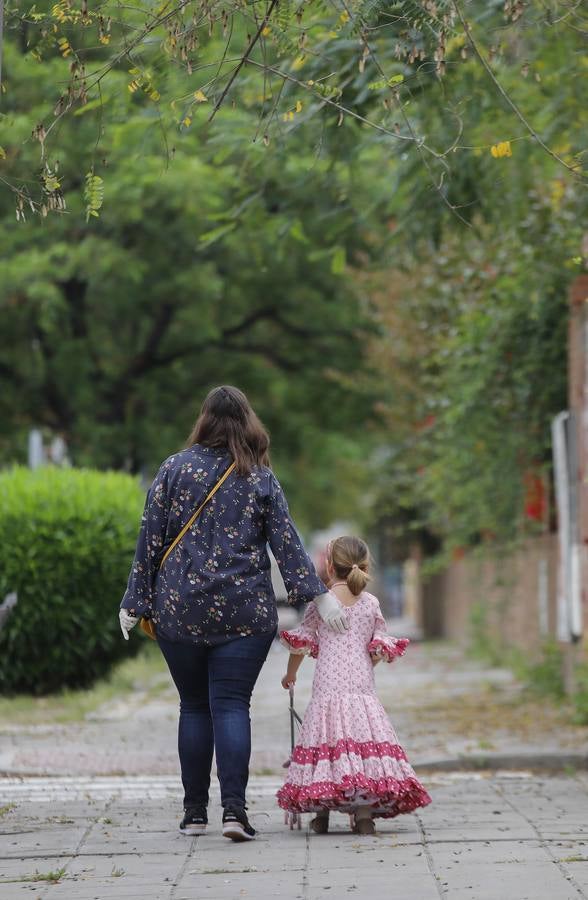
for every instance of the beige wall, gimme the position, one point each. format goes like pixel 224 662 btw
pixel 517 594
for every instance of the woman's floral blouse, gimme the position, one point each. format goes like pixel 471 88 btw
pixel 216 583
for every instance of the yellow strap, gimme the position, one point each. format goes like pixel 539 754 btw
pixel 189 524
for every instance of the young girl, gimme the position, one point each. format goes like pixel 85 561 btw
pixel 348 757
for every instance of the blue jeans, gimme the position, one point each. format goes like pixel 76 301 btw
pixel 215 686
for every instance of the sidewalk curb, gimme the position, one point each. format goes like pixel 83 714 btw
pixel 548 763
pixel 537 762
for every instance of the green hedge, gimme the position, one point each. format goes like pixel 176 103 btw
pixel 67 539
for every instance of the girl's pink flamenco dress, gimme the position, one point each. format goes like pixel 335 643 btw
pixel 348 753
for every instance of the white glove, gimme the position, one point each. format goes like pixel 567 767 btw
pixel 331 612
pixel 126 622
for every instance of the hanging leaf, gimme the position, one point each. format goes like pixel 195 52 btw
pixel 93 195
pixel 338 262
pixel 385 82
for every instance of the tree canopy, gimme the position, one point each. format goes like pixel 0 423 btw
pixel 367 215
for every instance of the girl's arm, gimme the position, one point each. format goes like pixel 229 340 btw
pixel 384 645
pixel 294 663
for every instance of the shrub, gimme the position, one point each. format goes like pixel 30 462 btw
pixel 67 540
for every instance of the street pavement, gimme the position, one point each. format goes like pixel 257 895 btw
pixel 501 836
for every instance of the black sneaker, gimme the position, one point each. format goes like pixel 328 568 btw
pixel 236 824
pixel 195 820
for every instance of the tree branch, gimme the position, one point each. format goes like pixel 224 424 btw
pixel 243 59
pixel 142 361
pixel 56 402
pixel 266 312
pixel 268 353
pixel 507 98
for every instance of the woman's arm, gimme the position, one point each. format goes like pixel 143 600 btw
pixel 138 596
pixel 294 663
pixel 296 567
pixel 294 563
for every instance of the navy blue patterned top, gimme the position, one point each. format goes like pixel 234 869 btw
pixel 216 583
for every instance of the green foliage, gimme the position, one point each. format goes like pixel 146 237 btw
pixel 580 697
pixel 479 339
pixel 545 676
pixel 237 249
pixel 230 266
pixel 498 372
pixel 311 65
pixel 481 644
pixel 67 538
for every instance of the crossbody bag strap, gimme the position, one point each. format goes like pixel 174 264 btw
pixel 191 521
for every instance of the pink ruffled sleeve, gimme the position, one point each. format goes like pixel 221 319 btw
pixel 383 645
pixel 304 639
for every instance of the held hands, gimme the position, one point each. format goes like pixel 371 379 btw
pixel 331 612
pixel 126 622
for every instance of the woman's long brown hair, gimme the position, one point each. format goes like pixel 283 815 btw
pixel 227 419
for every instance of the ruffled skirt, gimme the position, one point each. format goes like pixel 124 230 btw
pixel 348 755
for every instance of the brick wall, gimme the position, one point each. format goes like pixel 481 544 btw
pixel 515 594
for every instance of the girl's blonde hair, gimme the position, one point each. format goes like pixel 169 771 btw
pixel 350 559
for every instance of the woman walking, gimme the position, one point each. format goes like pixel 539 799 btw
pixel 211 599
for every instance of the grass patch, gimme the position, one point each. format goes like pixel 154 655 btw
pixel 147 671
pixel 544 678
pixel 53 877
pixel 580 698
pixel 4 810
pixel 483 716
pixel 541 676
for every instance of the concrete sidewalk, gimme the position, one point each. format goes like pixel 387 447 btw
pixel 508 836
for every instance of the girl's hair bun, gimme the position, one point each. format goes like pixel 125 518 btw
pixel 350 558
pixel 357 580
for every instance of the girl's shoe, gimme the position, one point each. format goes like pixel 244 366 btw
pixel 236 824
pixel 364 826
pixel 363 822
pixel 195 820
pixel 320 823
